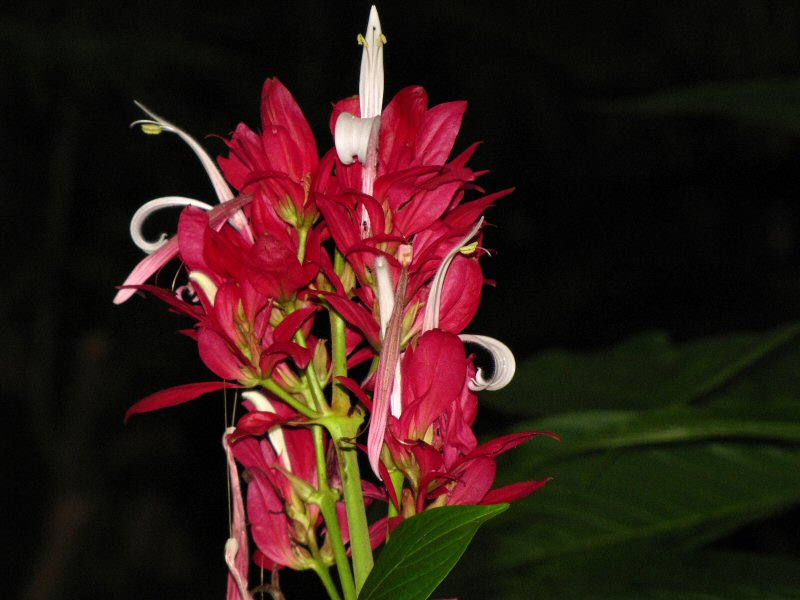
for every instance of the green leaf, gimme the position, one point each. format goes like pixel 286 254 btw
pixel 724 419
pixel 423 550
pixel 771 102
pixel 643 372
pixel 648 573
pixel 669 493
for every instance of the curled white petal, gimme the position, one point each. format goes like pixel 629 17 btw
pixel 352 137
pixel 504 363
pixel 204 282
pixel 275 434
pixel 147 209
pixel 385 292
pixel 431 318
pixel 370 87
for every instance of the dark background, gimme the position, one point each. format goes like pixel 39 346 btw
pixel 620 222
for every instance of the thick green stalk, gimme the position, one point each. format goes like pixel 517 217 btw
pixel 397 482
pixel 344 442
pixel 354 504
pixel 328 507
pixel 327 581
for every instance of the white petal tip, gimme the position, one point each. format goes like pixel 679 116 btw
pixel 504 363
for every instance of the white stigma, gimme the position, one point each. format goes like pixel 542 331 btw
pixel 370 87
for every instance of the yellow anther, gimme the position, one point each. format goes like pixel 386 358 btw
pixel 469 248
pixel 383 39
pixel 362 41
pixel 151 128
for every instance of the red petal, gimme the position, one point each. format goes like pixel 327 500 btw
pixel 280 110
pixel 461 294
pixel 438 133
pixel 218 356
pixel 515 491
pixel 433 377
pixel 474 482
pixel 506 442
pixel 176 395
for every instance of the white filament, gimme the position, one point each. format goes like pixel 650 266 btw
pixel 432 308
pixel 147 209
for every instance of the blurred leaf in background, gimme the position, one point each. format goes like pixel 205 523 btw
pixel 667 450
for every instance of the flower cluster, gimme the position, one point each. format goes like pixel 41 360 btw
pixel 335 290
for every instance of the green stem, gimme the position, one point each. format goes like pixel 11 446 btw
pixel 346 451
pixel 328 507
pixel 397 482
pixel 354 500
pixel 281 393
pixel 327 581
pixel 302 236
pixel 338 341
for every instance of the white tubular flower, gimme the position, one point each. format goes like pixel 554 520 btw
pixel 352 137
pixel 147 209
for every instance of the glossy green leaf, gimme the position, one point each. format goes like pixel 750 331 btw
pixel 423 550
pixel 648 574
pixel 643 372
pixel 668 493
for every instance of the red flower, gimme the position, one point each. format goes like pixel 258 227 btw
pixel 280 519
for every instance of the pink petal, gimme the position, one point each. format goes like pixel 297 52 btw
pixel 147 267
pixel 238 531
